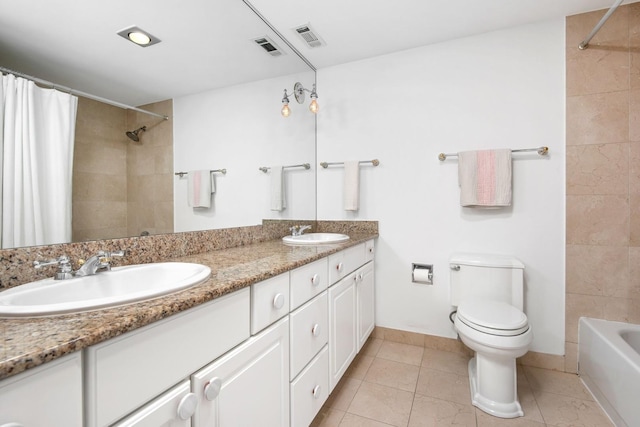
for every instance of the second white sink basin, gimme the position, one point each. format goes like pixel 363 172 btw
pixel 315 239
pixel 121 285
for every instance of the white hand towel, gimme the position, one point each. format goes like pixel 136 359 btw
pixel 278 202
pixel 199 188
pixel 485 178
pixel 351 185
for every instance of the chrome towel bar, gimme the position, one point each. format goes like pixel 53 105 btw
pixel 541 150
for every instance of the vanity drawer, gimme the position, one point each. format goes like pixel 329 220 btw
pixel 308 281
pixel 123 373
pixel 269 301
pixel 344 262
pixel 174 408
pixel 309 332
pixel 369 250
pixel 310 390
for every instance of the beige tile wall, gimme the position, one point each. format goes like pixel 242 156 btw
pixel 150 171
pixel 99 172
pixel 603 172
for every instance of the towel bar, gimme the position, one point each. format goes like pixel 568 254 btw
pixel 222 171
pixel 375 162
pixel 265 169
pixel 543 151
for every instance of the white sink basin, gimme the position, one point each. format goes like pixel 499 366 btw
pixel 315 239
pixel 121 285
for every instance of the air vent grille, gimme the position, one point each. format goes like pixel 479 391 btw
pixel 309 35
pixel 268 45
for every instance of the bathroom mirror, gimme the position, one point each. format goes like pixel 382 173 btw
pixel 211 73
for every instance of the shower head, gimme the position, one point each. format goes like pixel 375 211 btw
pixel 133 135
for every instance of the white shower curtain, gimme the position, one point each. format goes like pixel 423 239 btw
pixel 36 163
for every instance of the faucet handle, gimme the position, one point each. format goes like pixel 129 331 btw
pixel 61 260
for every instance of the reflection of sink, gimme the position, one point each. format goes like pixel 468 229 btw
pixel 119 286
pixel 315 239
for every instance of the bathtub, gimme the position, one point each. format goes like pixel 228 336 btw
pixel 609 365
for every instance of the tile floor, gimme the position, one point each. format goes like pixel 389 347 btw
pixel 393 384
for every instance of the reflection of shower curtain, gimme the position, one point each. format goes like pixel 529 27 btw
pixel 36 139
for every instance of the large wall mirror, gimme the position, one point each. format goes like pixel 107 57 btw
pixel 220 88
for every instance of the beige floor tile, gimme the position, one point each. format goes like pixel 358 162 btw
pixel 371 347
pixel 564 411
pixel 486 420
pixel 431 412
pixel 528 402
pixel 327 417
pixel 342 394
pixel 359 367
pixel 393 374
pixel 455 363
pixel 545 381
pixel 403 353
pixel 385 404
pixel 444 385
pixel 352 420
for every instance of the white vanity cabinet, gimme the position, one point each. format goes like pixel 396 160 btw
pixel 124 373
pixel 47 396
pixel 351 306
pixel 249 386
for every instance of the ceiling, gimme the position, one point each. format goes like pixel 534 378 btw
pixel 206 43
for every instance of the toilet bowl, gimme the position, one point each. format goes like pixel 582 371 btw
pixel 498 333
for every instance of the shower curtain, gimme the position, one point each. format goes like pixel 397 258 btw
pixel 37 131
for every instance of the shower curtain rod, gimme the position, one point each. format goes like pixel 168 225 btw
pixel 80 93
pixel 585 42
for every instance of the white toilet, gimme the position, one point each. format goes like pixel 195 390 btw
pixel 488 293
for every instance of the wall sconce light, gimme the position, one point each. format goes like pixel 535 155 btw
pixel 298 93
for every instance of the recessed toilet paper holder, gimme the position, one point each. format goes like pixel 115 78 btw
pixel 422 273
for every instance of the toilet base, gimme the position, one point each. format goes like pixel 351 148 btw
pixel 497 394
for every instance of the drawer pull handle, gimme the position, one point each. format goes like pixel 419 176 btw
pixel 278 301
pixel 212 388
pixel 314 279
pixel 339 266
pixel 315 331
pixel 316 391
pixel 187 406
pixel 370 250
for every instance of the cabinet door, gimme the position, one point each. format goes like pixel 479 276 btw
pixel 249 386
pixel 172 409
pixel 342 328
pixel 47 396
pixel 366 303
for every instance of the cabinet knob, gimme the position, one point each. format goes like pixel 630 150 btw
pixel 339 266
pixel 278 301
pixel 314 279
pixel 187 406
pixel 316 391
pixel 212 388
pixel 360 276
pixel 315 331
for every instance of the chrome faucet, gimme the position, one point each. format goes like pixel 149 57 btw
pixel 100 261
pixel 64 267
pixel 297 230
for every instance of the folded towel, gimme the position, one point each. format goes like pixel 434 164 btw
pixel 351 185
pixel 278 202
pixel 200 186
pixel 485 178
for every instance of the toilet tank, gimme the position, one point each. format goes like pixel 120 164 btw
pixel 484 276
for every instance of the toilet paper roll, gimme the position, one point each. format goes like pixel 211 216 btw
pixel 422 275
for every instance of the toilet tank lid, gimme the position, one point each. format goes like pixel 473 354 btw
pixel 486 260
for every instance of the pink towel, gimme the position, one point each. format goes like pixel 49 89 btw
pixel 485 178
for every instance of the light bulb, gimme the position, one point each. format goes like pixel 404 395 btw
pixel 139 38
pixel 314 107
pixel 285 110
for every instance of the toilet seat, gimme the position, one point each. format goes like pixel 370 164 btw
pixel 493 317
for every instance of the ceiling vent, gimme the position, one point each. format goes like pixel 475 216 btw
pixel 309 35
pixel 268 45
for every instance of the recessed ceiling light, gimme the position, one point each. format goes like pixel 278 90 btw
pixel 138 36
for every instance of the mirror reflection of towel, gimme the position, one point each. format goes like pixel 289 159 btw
pixel 200 186
pixel 278 202
pixel 351 185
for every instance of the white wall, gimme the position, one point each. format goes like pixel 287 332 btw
pixel 240 128
pixel 497 90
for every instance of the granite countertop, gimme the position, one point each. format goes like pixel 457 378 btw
pixel 30 342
